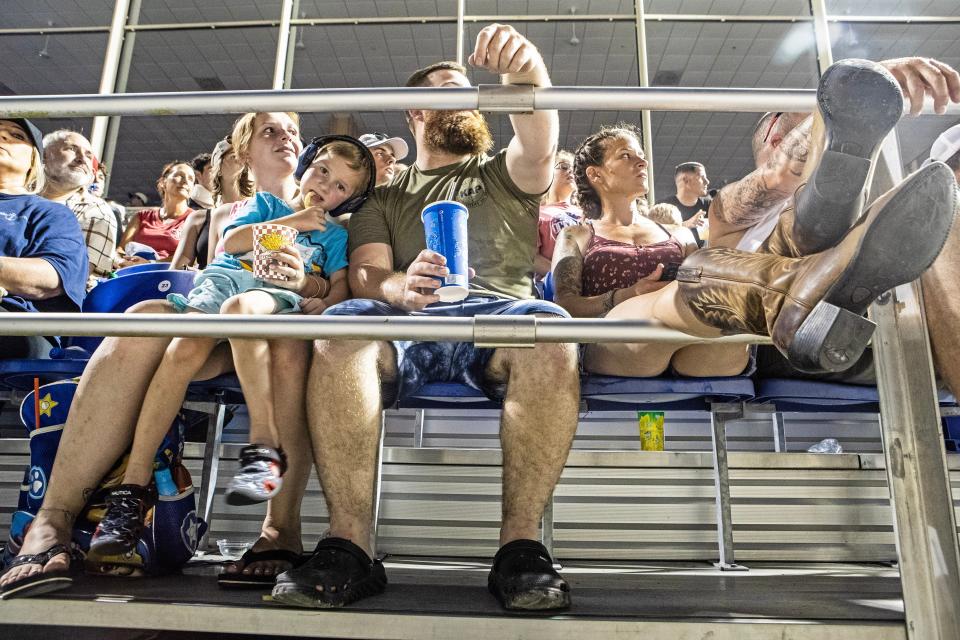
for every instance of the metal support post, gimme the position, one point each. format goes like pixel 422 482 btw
pixel 377 486
pixel 108 75
pixel 292 44
pixel 779 432
pixel 418 420
pixel 546 530
pixel 920 494
pixel 123 74
pixel 821 33
pixel 211 466
pixel 461 9
pixel 646 128
pixel 720 413
pixel 283 44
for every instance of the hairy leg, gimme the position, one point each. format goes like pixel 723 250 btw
pixel 252 360
pixel 537 426
pixel 942 306
pixel 281 528
pixel 116 377
pixel 182 360
pixel 343 411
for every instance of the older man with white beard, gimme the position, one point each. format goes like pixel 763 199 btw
pixel 68 163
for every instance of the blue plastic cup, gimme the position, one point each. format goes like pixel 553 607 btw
pixel 445 225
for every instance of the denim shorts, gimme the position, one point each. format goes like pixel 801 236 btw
pixel 214 285
pixel 421 362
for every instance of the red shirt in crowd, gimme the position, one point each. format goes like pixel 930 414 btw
pixel 159 234
pixel 553 218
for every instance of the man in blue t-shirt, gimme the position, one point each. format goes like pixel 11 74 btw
pixel 43 258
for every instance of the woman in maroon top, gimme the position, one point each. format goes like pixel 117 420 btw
pixel 160 228
pixel 601 267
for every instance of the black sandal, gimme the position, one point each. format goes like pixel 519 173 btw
pixel 523 578
pixel 43 582
pixel 343 569
pixel 240 580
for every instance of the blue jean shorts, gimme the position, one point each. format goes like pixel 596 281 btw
pixel 421 362
pixel 214 285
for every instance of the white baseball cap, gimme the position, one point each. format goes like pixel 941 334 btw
pixel 945 146
pixel 372 140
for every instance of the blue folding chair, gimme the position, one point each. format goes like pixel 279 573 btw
pixel 119 294
pixel 779 395
pixel 140 268
pixel 111 296
pixel 548 287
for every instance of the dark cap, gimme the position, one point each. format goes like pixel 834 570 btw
pixel 36 136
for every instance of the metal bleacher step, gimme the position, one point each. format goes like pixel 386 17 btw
pixel 431 598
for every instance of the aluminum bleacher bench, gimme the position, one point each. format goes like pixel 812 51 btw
pixel 723 398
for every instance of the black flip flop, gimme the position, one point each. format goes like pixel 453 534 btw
pixel 43 582
pixel 345 571
pixel 241 580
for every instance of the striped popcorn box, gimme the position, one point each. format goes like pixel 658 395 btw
pixel 269 238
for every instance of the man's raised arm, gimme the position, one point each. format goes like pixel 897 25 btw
pixel 501 50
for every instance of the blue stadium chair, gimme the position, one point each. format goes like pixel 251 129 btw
pixel 110 296
pixel 140 268
pixel 779 395
pixel 119 294
pixel 548 286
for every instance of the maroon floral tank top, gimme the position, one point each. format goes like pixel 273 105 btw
pixel 609 264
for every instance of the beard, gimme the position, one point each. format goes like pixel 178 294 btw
pixel 67 177
pixel 457 132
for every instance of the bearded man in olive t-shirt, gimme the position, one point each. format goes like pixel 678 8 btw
pixel 393 274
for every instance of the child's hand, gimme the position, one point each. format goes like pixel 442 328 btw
pixel 288 262
pixel 309 219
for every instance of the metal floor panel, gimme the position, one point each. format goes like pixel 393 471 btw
pixel 442 598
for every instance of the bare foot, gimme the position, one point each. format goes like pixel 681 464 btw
pixel 40 537
pixel 268 541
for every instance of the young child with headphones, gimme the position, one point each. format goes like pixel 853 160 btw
pixel 336 174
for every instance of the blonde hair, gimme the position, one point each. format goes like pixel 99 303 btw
pixel 664 213
pixel 241 137
pixel 36 179
pixel 354 157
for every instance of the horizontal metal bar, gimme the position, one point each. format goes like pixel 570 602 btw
pixel 344 328
pixel 397 98
pixel 384 20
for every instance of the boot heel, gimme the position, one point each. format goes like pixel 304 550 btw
pixel 830 339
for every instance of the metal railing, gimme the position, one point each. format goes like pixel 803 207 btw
pixel 920 492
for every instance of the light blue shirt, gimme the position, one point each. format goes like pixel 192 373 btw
pixel 324 252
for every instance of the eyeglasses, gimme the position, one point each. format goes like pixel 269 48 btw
pixel 773 121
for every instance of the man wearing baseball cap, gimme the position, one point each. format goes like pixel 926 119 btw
pixel 387 152
pixel 946 149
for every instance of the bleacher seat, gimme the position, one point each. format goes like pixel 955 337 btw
pixel 722 397
pixel 140 268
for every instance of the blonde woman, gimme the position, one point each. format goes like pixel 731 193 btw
pixel 43 258
pixel 118 376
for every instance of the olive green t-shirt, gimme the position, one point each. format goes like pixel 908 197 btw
pixel 502 226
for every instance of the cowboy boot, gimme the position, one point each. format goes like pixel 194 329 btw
pixel 858 104
pixel 812 307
